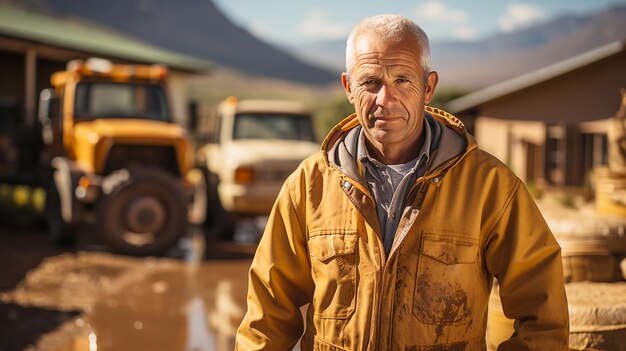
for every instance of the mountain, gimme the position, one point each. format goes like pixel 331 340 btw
pixel 193 27
pixel 502 56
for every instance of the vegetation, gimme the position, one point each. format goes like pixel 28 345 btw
pixel 334 108
pixel 21 206
pixel 445 95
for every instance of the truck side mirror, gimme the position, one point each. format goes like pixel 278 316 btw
pixel 48 114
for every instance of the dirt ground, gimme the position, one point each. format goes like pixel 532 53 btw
pixel 83 298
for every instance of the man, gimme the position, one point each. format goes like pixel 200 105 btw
pixel 393 232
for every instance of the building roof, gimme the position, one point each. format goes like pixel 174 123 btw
pixel 507 87
pixel 68 34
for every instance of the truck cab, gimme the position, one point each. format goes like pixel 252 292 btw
pixel 254 147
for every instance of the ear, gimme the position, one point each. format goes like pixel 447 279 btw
pixel 431 84
pixel 346 86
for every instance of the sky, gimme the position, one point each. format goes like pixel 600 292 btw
pixel 289 22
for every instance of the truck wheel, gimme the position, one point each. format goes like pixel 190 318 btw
pixel 220 222
pixel 145 215
pixel 60 233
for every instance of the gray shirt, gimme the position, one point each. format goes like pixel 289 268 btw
pixel 389 183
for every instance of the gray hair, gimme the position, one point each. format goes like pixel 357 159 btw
pixel 389 28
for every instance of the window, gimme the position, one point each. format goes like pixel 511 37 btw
pixel 120 100
pixel 273 126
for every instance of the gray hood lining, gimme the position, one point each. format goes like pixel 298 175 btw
pixel 446 145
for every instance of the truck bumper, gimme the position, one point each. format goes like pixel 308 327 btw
pixel 248 200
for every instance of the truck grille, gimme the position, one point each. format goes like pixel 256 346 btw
pixel 124 156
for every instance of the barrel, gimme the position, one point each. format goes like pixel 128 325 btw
pixel 589 260
pixel 592 243
pixel 610 191
pixel 597 317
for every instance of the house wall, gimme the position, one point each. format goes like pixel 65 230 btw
pixel 589 93
pixel 508 141
pixel 547 132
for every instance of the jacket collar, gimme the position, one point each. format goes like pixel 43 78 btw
pixel 340 146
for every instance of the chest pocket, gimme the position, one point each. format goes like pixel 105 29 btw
pixel 444 286
pixel 333 261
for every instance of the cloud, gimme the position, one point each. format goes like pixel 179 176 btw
pixel 453 21
pixel 436 11
pixel 259 30
pixel 521 15
pixel 465 32
pixel 318 25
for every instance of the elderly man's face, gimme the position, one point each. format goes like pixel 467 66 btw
pixel 388 88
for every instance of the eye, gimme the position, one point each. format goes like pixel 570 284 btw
pixel 369 83
pixel 402 80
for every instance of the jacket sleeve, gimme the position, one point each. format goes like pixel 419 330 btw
pixel 525 258
pixel 279 282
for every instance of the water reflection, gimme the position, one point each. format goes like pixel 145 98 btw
pixel 199 338
pixel 225 317
pixel 93 342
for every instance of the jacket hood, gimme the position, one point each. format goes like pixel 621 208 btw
pixel 340 145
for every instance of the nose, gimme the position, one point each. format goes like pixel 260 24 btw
pixel 385 96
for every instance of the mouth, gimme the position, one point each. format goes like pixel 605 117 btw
pixel 385 118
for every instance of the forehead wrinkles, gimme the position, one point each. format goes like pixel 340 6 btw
pixel 398 58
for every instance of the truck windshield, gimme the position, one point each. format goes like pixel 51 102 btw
pixel 120 100
pixel 273 126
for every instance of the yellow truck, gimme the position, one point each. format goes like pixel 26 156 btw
pixel 251 146
pixel 116 156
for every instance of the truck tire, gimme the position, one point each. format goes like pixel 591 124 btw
pixel 218 221
pixel 144 215
pixel 60 232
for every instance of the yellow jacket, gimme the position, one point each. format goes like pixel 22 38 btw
pixel 469 219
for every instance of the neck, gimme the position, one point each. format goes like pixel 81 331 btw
pixel 397 153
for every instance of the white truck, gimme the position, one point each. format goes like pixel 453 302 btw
pixel 252 147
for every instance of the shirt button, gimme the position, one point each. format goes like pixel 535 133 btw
pixel 393 216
